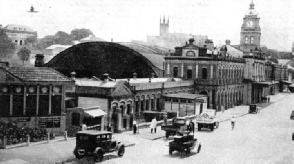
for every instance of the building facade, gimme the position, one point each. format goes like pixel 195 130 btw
pixel 216 75
pixel 19 33
pixel 33 97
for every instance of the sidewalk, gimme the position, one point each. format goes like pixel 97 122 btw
pixel 237 111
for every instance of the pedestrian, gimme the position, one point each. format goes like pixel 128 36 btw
pixel 84 127
pixel 165 119
pixel 191 126
pixel 268 99
pixel 153 125
pixel 134 126
pixel 233 122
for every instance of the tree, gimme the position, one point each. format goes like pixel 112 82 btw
pixel 7 47
pixel 24 54
pixel 62 38
pixel 78 34
pixel 31 40
pixel 45 42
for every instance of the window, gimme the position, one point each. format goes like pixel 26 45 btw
pixel 252 40
pixel 190 53
pixel 176 72
pixel 75 119
pixel 246 40
pixel 204 73
pixel 189 73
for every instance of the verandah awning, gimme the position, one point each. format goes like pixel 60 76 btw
pixel 286 82
pixel 95 112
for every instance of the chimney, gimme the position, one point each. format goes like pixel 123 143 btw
pixel 39 62
pixel 191 40
pixel 4 64
pixel 105 78
pixel 111 39
pixel 135 75
pixel 228 42
pixel 73 75
pixel 152 75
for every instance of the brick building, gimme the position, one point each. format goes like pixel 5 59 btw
pixel 217 75
pixel 34 97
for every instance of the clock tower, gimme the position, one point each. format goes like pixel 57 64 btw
pixel 250 30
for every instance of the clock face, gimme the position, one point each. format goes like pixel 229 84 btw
pixel 4 89
pixel 31 89
pixel 249 24
pixel 56 90
pixel 44 90
pixel 17 89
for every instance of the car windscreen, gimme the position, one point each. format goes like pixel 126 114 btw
pixel 181 121
pixel 82 137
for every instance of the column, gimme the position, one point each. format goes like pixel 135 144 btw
pixel 196 74
pixel 182 70
pixel 50 99
pixel 37 104
pixel 24 100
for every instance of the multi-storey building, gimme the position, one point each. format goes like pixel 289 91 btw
pixel 18 33
pixel 217 75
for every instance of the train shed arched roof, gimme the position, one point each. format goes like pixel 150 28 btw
pixel 96 58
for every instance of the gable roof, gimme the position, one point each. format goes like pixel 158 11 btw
pixel 37 74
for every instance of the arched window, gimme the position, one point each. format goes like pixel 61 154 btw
pixel 252 40
pixel 190 53
pixel 246 40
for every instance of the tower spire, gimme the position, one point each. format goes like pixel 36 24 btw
pixel 164 19
pixel 252 5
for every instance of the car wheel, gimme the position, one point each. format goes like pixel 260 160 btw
pixel 79 153
pixel 199 127
pixel 171 151
pixel 187 151
pixel 98 156
pixel 199 148
pixel 121 150
pixel 211 127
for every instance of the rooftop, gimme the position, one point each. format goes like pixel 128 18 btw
pixel 37 74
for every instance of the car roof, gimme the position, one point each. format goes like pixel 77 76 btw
pixel 93 132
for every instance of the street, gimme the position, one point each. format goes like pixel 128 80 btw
pixel 265 137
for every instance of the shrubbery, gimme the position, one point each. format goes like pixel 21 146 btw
pixel 14 134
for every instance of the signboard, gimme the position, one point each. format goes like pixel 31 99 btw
pixel 49 122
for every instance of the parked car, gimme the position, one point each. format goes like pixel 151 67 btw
pixel 184 144
pixel 96 143
pixel 292 115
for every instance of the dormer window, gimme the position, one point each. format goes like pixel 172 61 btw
pixel 190 53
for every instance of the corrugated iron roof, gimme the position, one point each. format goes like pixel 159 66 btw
pixel 41 74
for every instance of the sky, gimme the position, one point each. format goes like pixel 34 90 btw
pixel 126 20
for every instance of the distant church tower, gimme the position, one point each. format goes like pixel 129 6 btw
pixel 250 30
pixel 293 50
pixel 163 27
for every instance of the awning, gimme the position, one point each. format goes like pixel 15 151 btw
pixel 95 112
pixel 185 96
pixel 264 83
pixel 287 82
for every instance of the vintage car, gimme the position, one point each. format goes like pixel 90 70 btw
pixel 177 126
pixel 292 115
pixel 207 119
pixel 184 143
pixel 96 143
pixel 253 108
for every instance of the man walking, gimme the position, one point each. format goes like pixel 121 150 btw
pixel 233 122
pixel 153 125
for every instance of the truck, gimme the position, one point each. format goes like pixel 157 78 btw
pixel 207 119
pixel 185 144
pixel 178 126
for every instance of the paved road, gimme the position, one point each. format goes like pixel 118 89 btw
pixel 257 138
